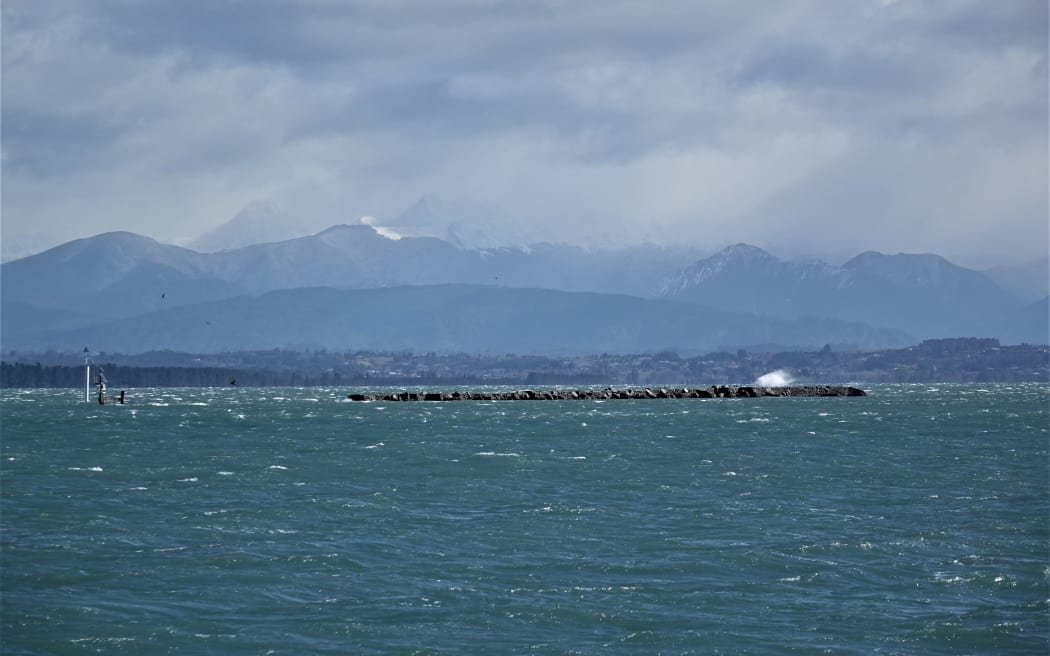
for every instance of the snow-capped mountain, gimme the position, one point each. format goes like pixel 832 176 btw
pixel 112 280
pixel 746 263
pixel 257 223
pixel 924 294
pixel 464 222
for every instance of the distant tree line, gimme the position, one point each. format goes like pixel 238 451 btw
pixel 36 375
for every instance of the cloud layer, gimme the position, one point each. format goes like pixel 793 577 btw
pixel 813 128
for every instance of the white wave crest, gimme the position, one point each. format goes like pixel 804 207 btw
pixel 778 378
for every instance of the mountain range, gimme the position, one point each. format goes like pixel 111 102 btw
pixel 925 295
pixel 351 287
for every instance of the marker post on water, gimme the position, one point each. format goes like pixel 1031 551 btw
pixel 87 377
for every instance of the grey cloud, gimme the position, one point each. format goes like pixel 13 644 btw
pixel 676 120
pixel 977 25
pixel 48 144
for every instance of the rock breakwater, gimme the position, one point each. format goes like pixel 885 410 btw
pixel 608 393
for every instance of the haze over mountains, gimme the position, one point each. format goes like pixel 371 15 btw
pixel 351 287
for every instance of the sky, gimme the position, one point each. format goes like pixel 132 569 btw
pixel 815 128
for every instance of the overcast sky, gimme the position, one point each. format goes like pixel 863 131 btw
pixel 821 128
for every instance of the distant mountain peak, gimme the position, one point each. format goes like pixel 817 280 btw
pixel 467 223
pixel 919 269
pixel 742 250
pixel 118 245
pixel 431 208
pixel 389 233
pixel 258 222
pixel 875 258
pixel 344 233
pixel 346 227
pixel 736 256
pixel 1028 281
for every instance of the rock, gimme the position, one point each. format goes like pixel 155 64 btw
pixel 714 391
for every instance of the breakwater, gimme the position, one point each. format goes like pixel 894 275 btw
pixel 608 393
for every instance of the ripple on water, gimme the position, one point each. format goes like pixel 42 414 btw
pixel 240 521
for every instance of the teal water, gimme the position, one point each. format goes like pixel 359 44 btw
pixel 915 520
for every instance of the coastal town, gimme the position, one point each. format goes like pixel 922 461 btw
pixel 961 360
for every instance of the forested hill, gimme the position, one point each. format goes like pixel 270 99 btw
pixel 933 361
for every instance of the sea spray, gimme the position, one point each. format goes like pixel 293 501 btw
pixel 778 378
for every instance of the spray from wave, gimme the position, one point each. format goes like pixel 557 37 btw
pixel 778 378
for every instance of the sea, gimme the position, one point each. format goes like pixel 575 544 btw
pixel 914 520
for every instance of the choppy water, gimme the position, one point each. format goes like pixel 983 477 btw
pixel 259 521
